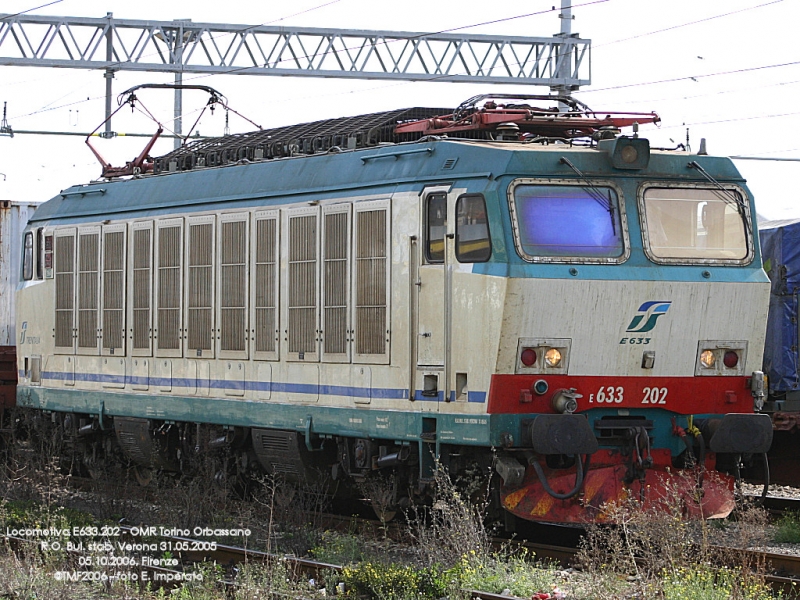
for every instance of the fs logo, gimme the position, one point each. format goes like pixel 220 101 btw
pixel 647 315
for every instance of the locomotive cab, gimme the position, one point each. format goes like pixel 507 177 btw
pixel 630 406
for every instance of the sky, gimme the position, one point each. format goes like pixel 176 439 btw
pixel 726 70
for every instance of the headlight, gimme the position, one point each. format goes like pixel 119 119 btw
pixel 544 356
pixel 552 357
pixel 707 359
pixel 720 357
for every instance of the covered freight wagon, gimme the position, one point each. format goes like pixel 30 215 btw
pixel 13 219
pixel 780 247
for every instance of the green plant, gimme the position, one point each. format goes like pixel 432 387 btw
pixel 208 587
pixel 787 528
pixel 704 582
pixel 339 548
pixel 31 515
pixel 394 582
pixel 453 526
pixel 514 572
pixel 656 553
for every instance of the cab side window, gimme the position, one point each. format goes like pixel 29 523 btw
pixel 473 243
pixel 27 257
pixel 39 254
pixel 435 227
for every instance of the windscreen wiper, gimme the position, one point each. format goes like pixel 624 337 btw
pixel 727 196
pixel 595 193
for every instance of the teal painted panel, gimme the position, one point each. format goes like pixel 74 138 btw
pixel 346 421
pixel 471 430
pixel 270 182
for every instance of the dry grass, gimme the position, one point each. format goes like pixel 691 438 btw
pixel 646 550
pixel 453 527
pixel 641 557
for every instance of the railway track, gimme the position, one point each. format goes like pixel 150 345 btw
pixel 784 575
pixel 784 570
pixel 779 505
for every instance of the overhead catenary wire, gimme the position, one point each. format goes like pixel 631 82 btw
pixel 673 27
pixel 737 90
pixel 550 10
pixel 51 108
pixel 731 120
pixel 692 77
pixel 99 135
pixel 765 158
pixel 420 36
pixel 494 21
pixel 23 12
pixel 244 30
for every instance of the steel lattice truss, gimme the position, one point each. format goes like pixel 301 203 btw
pixel 187 47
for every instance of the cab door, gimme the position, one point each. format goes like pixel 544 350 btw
pixel 431 282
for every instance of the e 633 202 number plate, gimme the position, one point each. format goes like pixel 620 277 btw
pixel 616 394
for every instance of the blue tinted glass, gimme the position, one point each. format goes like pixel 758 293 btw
pixel 568 221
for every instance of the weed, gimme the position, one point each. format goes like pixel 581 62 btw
pixel 651 553
pixel 273 579
pixel 29 514
pixel 380 492
pixel 294 514
pixel 787 529
pixel 453 527
pixel 704 582
pixel 394 582
pixel 507 573
pixel 339 549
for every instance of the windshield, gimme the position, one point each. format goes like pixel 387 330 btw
pixel 555 221
pixel 694 223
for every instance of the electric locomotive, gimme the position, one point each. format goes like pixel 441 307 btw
pixel 515 288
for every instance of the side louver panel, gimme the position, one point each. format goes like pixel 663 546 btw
pixel 233 293
pixel 302 330
pixel 371 282
pixel 88 290
pixel 265 331
pixel 65 291
pixel 169 287
pixel 142 289
pixel 336 283
pixel 113 319
pixel 200 332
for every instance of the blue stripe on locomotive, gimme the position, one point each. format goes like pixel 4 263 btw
pixel 387 170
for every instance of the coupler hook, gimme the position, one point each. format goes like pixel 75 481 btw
pixel 581 466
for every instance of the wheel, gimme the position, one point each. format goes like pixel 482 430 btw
pixel 144 476
pixel 384 514
pixel 93 468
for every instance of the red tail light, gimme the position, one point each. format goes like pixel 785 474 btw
pixel 731 359
pixel 528 357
